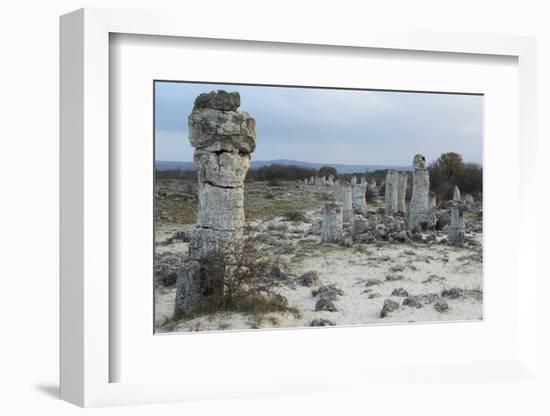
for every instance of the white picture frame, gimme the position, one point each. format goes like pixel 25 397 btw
pixel 85 211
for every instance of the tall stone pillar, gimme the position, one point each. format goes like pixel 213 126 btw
pixel 345 198
pixel 456 194
pixel 331 230
pixel 390 197
pixel 402 192
pixel 330 180
pixel 432 209
pixel 358 191
pixel 456 228
pixel 223 139
pixel 418 206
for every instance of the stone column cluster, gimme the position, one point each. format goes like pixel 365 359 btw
pixel 418 207
pixel 223 139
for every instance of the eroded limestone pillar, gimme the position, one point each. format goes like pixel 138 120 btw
pixel 331 230
pixel 468 202
pixel 455 234
pixel 418 206
pixel 330 180
pixel 345 198
pixel 223 139
pixel 402 192
pixel 432 209
pixel 358 191
pixel 390 196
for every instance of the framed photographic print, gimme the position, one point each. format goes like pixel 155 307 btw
pixel 238 209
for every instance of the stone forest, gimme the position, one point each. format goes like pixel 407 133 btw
pixel 324 249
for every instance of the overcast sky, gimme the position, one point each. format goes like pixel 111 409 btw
pixel 332 126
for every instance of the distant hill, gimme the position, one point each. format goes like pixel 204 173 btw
pixel 341 168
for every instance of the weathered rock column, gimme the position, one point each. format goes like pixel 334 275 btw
pixel 418 206
pixel 468 202
pixel 456 194
pixel 311 180
pixel 390 197
pixel 331 230
pixel 432 209
pixel 330 180
pixel 456 228
pixel 345 198
pixel 223 139
pixel 372 186
pixel 402 192
pixel 358 191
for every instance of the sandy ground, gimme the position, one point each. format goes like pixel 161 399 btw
pixel 349 268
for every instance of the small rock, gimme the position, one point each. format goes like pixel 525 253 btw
pixel 394 277
pixel 322 322
pixel 372 282
pixel 400 292
pixel 325 305
pixel 329 292
pixel 309 279
pixel 374 295
pixel 388 307
pixel 277 273
pixel 434 278
pixel 441 306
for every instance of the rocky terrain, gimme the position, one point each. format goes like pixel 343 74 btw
pixel 383 273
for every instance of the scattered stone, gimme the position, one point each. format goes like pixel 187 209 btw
pixel 309 279
pixel 277 273
pixel 441 306
pixel 329 292
pixel 394 277
pixel 388 307
pixel 418 301
pixel 374 295
pixel 372 282
pixel 399 292
pixel 322 321
pixel 434 278
pixel 325 305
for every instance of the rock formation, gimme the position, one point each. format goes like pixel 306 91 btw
pixel 468 202
pixel 223 139
pixel 358 191
pixel 432 210
pixel 402 191
pixel 456 194
pixel 456 229
pixel 372 186
pixel 419 200
pixel 345 198
pixel 331 230
pixel 330 180
pixel 390 198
